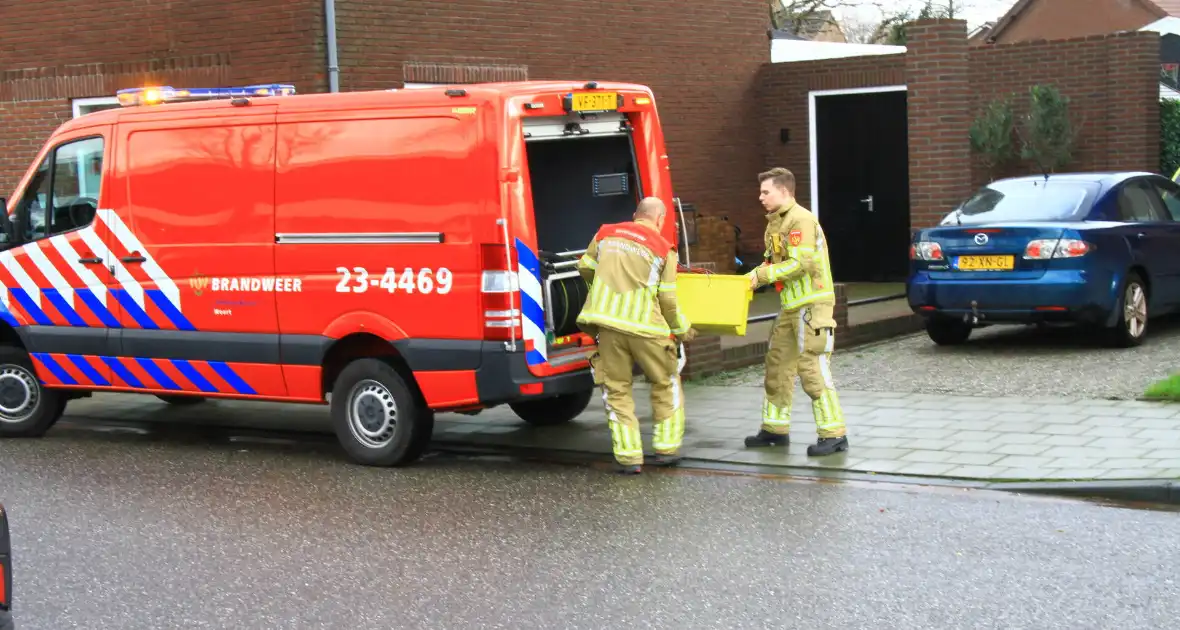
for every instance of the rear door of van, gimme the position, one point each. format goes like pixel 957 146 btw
pixel 588 161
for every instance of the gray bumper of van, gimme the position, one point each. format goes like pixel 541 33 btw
pixel 499 373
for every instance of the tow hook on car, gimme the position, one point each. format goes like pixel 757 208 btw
pixel 973 318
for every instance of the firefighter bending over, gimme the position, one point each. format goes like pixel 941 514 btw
pixel 804 333
pixel 631 309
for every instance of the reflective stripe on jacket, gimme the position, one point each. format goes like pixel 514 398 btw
pixel 631 270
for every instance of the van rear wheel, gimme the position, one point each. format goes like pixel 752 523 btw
pixel 26 408
pixel 377 418
pixel 560 409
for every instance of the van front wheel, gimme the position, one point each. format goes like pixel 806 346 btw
pixel 377 418
pixel 26 408
pixel 546 412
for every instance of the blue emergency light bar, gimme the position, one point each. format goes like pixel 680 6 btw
pixel 165 94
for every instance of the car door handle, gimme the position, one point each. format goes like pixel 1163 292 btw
pixel 1141 235
pixel 132 259
pixel 94 260
pixel 868 200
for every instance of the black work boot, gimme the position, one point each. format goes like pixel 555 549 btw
pixel 827 446
pixel 630 469
pixel 766 438
pixel 665 460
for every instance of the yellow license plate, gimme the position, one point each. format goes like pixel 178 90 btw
pixel 595 102
pixel 986 263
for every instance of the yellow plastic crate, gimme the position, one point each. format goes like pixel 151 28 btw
pixel 717 304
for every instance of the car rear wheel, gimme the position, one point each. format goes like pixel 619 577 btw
pixel 377 418
pixel 1131 327
pixel 26 408
pixel 947 332
pixel 553 411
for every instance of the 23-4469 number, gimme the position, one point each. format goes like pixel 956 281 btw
pixel 425 280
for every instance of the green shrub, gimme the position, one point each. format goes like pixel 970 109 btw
pixel 1169 136
pixel 1047 134
pixel 992 135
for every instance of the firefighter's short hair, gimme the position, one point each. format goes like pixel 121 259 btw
pixel 780 177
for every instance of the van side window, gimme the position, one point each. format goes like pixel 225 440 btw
pixel 63 193
pixel 77 179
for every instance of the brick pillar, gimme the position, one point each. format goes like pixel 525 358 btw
pixel 1133 110
pixel 939 102
pixel 840 312
pixel 704 357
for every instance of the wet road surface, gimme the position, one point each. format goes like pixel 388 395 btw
pixel 121 532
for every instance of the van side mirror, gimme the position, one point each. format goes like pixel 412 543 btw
pixel 5 573
pixel 6 235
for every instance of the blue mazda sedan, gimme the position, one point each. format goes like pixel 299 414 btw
pixel 1096 249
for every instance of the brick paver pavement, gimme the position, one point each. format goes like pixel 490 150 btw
pixel 990 439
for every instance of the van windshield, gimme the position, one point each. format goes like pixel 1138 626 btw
pixel 1025 200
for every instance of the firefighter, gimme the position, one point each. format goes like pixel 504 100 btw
pixel 631 309
pixel 796 262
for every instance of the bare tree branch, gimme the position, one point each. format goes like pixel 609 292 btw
pixel 860 31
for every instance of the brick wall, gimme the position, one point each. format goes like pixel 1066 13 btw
pixel 715 243
pixel 939 103
pixel 1062 19
pixel 1114 101
pixel 783 98
pixel 1112 80
pixel 702 69
pixel 704 82
pixel 57 50
pixel 23 126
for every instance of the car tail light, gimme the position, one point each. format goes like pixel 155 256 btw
pixel 1046 248
pixel 5 563
pixel 925 250
pixel 499 294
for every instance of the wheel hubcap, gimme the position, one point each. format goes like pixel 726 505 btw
pixel 372 414
pixel 1135 310
pixel 19 394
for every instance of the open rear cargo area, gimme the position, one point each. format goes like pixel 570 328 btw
pixel 580 181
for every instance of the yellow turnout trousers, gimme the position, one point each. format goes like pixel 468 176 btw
pixel 612 367
pixel 798 350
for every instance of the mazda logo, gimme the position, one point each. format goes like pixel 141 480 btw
pixel 981 239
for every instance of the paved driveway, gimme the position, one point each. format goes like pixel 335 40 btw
pixel 1005 361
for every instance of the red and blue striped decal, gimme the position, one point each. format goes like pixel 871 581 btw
pixel 130 373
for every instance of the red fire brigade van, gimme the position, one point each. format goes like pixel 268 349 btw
pixel 389 253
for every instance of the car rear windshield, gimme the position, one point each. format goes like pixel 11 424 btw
pixel 1027 200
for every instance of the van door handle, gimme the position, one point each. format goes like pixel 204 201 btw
pixel 133 259
pixel 90 261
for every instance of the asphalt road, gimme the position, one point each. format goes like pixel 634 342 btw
pixel 1004 361
pixel 120 532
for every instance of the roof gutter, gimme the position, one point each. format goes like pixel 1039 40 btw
pixel 333 61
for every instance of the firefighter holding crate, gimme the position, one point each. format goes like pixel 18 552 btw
pixel 631 309
pixel 802 340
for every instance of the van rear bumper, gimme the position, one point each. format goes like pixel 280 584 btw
pixel 500 374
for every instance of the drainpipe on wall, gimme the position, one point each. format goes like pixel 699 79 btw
pixel 333 62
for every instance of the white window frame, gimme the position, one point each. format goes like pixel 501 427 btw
pixel 418 86
pixel 80 103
